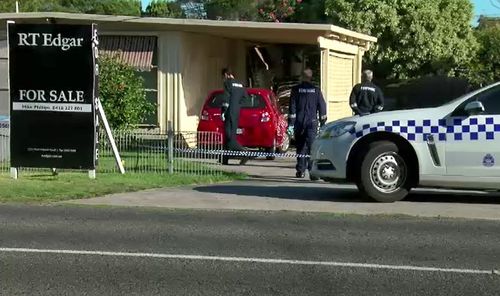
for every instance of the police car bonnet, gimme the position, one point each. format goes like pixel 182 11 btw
pixel 49 40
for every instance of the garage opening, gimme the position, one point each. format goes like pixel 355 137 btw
pixel 279 67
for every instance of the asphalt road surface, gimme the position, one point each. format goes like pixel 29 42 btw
pixel 60 250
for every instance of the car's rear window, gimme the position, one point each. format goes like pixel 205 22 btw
pixel 252 102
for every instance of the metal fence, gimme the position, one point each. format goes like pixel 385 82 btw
pixel 153 152
pixel 147 152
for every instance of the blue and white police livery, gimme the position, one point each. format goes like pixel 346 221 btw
pixel 386 154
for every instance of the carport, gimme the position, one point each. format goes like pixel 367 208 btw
pixel 181 59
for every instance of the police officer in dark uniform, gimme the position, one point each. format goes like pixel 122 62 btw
pixel 234 93
pixel 306 103
pixel 366 97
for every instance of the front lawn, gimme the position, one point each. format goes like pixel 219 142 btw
pixel 43 187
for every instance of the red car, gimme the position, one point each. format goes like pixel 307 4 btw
pixel 261 126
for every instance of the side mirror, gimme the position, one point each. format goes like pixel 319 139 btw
pixel 474 108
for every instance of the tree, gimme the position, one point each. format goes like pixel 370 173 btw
pixel 110 7
pixel 277 10
pixel 415 37
pixel 245 10
pixel 310 11
pixel 122 93
pixel 29 5
pixel 164 8
pixel 484 68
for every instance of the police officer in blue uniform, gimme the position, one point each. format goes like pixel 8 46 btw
pixel 234 93
pixel 366 97
pixel 306 105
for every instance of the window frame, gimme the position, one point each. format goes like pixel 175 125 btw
pixel 460 110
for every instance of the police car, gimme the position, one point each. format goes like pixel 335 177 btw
pixel 386 154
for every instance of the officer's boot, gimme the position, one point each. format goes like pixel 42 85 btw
pixel 300 175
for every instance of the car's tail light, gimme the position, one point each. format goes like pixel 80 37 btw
pixel 266 117
pixel 204 115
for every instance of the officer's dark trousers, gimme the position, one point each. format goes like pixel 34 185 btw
pixel 303 140
pixel 230 128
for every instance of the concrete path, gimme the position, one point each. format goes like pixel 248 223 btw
pixel 271 188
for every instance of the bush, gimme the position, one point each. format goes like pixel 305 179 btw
pixel 484 68
pixel 164 8
pixel 122 94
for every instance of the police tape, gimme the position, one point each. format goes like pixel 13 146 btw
pixel 250 154
pixel 243 153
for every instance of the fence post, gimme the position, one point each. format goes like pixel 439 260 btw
pixel 170 144
pixel 14 173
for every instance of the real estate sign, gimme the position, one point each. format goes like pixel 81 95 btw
pixel 53 95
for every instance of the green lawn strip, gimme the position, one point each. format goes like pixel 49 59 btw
pixel 42 187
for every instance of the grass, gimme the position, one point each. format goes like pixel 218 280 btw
pixel 146 169
pixel 36 187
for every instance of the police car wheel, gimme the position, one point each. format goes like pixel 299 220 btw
pixel 384 175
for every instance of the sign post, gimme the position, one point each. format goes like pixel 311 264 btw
pixel 53 95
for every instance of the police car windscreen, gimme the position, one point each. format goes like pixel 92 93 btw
pixel 252 102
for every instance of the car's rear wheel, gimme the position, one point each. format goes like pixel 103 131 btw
pixel 271 150
pixel 285 145
pixel 384 174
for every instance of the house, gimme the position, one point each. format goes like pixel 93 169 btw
pixel 488 21
pixel 181 59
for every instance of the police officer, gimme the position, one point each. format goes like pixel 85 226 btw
pixel 366 97
pixel 234 93
pixel 306 102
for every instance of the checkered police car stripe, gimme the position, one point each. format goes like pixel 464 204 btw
pixel 455 129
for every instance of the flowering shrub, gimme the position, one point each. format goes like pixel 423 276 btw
pixel 277 10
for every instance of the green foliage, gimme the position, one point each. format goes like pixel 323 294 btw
pixel 415 37
pixel 122 94
pixel 277 10
pixel 108 7
pixel 164 8
pixel 484 68
pixel 231 9
pixel 29 5
pixel 310 11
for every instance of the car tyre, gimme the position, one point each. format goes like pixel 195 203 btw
pixel 384 175
pixel 271 150
pixel 224 160
pixel 285 146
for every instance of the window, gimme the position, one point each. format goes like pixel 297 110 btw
pixel 141 53
pixel 252 102
pixel 490 99
pixel 151 89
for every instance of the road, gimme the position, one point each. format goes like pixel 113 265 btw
pixel 65 250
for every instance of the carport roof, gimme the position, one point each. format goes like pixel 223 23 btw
pixel 252 31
